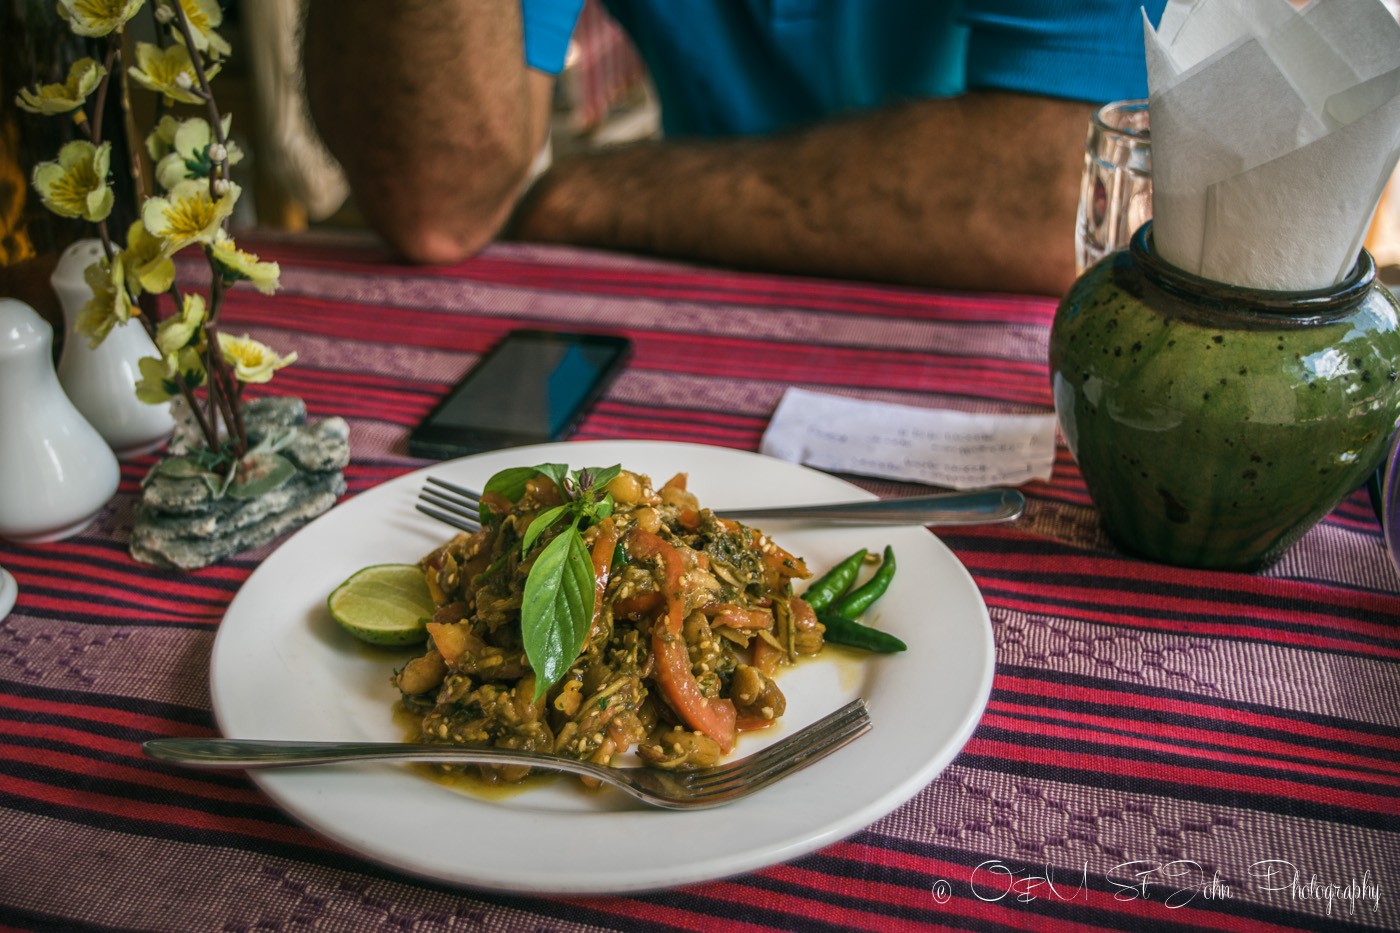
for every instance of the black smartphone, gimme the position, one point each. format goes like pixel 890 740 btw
pixel 530 388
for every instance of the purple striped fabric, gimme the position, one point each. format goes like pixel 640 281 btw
pixel 1163 748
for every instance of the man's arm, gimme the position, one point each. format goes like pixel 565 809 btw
pixel 430 109
pixel 976 192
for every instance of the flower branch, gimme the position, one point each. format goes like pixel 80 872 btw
pixel 192 158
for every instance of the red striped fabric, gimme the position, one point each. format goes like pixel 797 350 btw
pixel 1156 739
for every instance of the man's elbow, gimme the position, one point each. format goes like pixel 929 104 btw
pixel 434 198
pixel 429 245
pixel 431 239
pixel 438 225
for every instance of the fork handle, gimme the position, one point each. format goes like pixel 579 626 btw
pixel 975 507
pixel 277 753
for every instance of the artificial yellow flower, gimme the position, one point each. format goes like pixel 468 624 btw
pixel 160 377
pixel 236 265
pixel 154 386
pixel 185 330
pixel 76 185
pixel 252 361
pixel 161 141
pixel 97 17
pixel 169 71
pixel 83 78
pixel 188 156
pixel 110 303
pixel 150 269
pixel 188 215
pixel 204 16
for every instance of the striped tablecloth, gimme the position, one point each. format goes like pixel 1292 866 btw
pixel 1162 748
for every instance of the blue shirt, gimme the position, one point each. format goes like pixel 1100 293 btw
pixel 728 67
pixel 548 25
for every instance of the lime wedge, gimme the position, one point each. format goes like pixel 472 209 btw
pixel 386 604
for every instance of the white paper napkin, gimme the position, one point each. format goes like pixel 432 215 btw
pixel 926 445
pixel 1274 132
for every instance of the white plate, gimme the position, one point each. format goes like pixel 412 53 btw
pixel 282 669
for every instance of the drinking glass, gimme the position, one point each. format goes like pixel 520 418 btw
pixel 1115 194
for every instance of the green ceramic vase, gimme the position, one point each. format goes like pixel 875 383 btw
pixel 1214 425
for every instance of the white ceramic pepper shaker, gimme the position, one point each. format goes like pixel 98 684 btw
pixel 56 471
pixel 101 381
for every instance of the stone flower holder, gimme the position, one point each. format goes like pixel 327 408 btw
pixel 189 518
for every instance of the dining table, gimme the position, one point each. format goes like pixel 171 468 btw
pixel 1160 748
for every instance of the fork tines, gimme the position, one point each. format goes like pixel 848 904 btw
pixel 451 504
pixel 797 751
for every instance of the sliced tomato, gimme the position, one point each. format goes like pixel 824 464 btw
pixel 603 547
pixel 804 618
pixel 738 617
pixel 497 504
pixel 645 544
pixel 766 657
pixel 780 564
pixel 712 717
pixel 639 606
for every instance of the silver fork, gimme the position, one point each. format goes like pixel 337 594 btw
pixel 460 508
pixel 675 790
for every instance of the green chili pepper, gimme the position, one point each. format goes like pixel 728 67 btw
pixel 837 580
pixel 842 631
pixel 854 603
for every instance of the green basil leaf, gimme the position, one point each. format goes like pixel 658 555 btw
pixel 510 483
pixel 557 608
pixel 603 509
pixel 540 525
pixel 555 471
pixel 604 475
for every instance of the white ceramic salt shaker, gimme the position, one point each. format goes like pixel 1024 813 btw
pixel 101 380
pixel 56 471
pixel 9 591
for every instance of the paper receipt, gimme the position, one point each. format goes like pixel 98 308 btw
pixel 934 446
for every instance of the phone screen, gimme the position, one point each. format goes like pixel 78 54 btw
pixel 530 388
